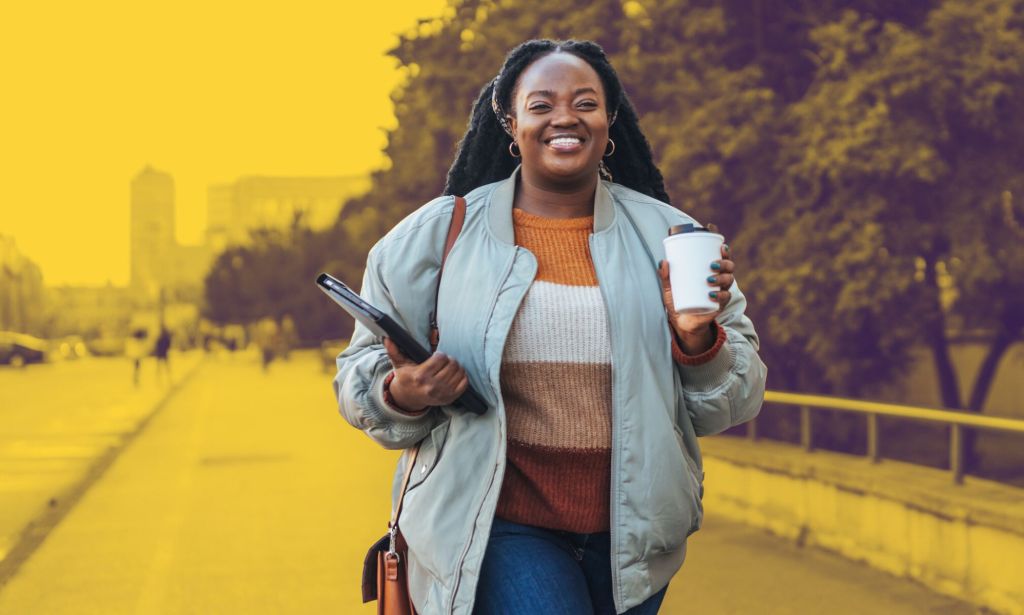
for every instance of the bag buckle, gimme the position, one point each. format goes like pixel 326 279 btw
pixel 392 539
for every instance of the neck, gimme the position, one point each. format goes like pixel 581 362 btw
pixel 569 200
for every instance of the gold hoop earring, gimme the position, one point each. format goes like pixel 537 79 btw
pixel 613 148
pixel 517 153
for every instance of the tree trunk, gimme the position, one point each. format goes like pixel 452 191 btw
pixel 1004 339
pixel 935 329
pixel 987 371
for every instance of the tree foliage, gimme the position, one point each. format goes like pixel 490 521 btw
pixel 863 157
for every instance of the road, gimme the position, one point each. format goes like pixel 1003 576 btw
pixel 57 420
pixel 247 493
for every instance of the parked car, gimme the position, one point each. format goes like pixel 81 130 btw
pixel 19 349
pixel 70 347
pixel 105 346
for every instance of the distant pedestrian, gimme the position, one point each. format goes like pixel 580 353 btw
pixel 268 338
pixel 161 350
pixel 135 350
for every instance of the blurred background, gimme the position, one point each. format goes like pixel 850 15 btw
pixel 175 176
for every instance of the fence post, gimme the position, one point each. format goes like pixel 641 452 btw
pixel 873 454
pixel 956 453
pixel 806 441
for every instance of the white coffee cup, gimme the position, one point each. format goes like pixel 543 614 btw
pixel 690 250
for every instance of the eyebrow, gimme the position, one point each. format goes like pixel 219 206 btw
pixel 551 94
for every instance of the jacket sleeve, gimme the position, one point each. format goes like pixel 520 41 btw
pixel 362 367
pixel 727 390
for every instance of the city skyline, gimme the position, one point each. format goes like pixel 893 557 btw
pixel 225 106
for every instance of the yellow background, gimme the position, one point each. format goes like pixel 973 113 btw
pixel 204 91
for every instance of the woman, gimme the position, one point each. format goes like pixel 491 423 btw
pixel 576 491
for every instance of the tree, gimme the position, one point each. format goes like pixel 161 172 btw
pixel 863 157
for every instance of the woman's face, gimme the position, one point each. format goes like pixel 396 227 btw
pixel 561 119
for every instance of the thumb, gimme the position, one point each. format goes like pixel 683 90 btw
pixel 398 359
pixel 666 285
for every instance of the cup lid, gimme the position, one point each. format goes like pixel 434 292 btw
pixel 687 228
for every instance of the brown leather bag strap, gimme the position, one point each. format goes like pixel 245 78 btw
pixel 410 464
pixel 458 217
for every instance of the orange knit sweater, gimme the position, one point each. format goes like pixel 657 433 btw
pixel 556 383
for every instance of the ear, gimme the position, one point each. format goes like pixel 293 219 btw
pixel 512 123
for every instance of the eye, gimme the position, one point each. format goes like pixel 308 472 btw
pixel 588 104
pixel 539 107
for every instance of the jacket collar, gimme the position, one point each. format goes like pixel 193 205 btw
pixel 502 197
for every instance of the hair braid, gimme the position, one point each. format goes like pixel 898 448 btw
pixel 483 156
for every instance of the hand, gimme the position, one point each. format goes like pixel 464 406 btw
pixel 438 381
pixel 693 329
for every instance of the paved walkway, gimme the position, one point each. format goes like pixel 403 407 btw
pixel 62 422
pixel 248 493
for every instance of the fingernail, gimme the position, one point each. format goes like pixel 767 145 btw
pixel 716 266
pixel 712 279
pixel 713 294
pixel 726 246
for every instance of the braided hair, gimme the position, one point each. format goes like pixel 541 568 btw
pixel 480 161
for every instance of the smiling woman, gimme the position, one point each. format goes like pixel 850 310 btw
pixel 576 491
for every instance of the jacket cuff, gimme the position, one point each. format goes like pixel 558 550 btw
pixel 705 357
pixel 388 408
pixel 708 376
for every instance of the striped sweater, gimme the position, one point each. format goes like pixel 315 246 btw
pixel 556 382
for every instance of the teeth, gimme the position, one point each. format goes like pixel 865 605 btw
pixel 565 141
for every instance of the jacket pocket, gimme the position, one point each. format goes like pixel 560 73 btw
pixel 696 482
pixel 430 453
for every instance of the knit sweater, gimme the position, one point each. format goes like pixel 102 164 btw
pixel 556 382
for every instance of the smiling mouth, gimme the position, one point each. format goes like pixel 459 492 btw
pixel 565 144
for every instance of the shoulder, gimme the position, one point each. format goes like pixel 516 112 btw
pixel 647 208
pixel 423 231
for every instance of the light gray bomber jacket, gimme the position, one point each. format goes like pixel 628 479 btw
pixel 659 407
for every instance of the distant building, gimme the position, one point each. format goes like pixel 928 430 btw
pixel 157 261
pixel 259 201
pixel 93 311
pixel 22 296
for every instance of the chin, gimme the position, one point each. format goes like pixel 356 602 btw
pixel 570 171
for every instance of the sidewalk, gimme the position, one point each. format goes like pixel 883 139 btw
pixel 61 425
pixel 248 493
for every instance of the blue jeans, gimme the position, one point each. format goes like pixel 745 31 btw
pixel 533 571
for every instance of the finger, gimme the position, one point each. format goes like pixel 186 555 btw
pixel 712 227
pixel 434 364
pixel 721 296
pixel 454 379
pixel 442 385
pixel 448 374
pixel 724 266
pixel 726 252
pixel 462 385
pixel 397 358
pixel 666 286
pixel 722 280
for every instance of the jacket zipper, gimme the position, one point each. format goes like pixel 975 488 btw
pixel 469 543
pixel 613 505
pixel 497 462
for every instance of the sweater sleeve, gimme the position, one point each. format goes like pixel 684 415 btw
pixel 682 358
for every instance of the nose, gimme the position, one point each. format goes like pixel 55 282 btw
pixel 564 117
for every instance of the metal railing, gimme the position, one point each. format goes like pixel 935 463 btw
pixel 956 421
